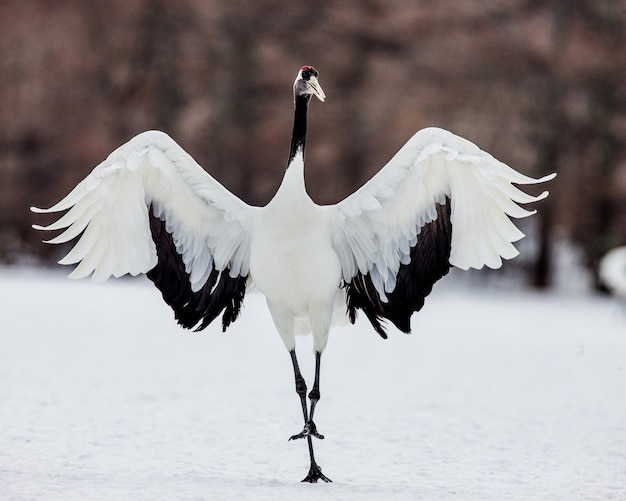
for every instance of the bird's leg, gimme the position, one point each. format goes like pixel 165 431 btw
pixel 300 387
pixel 309 426
pixel 315 472
pixel 314 394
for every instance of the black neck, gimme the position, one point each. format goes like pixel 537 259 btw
pixel 298 137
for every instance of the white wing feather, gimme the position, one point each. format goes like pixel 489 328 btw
pixel 110 208
pixel 383 219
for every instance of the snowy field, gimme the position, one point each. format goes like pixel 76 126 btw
pixel 502 395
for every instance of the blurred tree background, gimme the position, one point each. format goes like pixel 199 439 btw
pixel 540 84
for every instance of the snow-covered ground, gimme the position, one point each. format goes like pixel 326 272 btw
pixel 498 394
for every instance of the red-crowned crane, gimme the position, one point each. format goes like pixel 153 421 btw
pixel 150 208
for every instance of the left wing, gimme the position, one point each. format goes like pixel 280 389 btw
pixel 439 202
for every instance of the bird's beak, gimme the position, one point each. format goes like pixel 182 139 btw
pixel 316 88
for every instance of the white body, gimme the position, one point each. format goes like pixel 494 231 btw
pixel 299 276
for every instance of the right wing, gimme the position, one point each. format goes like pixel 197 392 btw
pixel 150 208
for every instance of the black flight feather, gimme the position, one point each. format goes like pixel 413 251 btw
pixel 430 261
pixel 220 293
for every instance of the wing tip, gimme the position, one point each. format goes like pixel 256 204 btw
pixel 549 177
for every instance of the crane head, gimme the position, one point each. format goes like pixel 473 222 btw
pixel 306 83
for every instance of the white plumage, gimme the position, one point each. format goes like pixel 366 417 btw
pixel 383 218
pixel 371 230
pixel 311 261
pixel 111 205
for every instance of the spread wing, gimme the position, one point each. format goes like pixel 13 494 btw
pixel 150 208
pixel 439 202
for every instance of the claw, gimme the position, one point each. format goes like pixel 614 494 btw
pixel 315 474
pixel 309 430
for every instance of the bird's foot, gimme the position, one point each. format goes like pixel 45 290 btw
pixel 309 430
pixel 315 474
